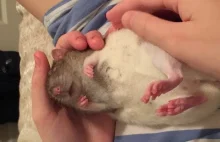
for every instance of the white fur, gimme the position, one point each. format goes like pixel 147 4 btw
pixel 132 70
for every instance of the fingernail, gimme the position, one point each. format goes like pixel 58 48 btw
pixel 80 39
pixel 95 39
pixel 37 60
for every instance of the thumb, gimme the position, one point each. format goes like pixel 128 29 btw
pixel 151 28
pixel 41 104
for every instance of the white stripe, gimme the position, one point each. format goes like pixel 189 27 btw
pixel 51 17
pixel 211 122
pixel 85 20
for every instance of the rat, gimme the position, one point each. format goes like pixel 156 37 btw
pixel 67 85
pixel 113 80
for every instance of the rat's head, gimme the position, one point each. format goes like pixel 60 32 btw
pixel 62 83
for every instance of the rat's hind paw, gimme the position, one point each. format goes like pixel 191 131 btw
pixel 83 101
pixel 180 105
pixel 153 90
pixel 88 70
pixel 156 88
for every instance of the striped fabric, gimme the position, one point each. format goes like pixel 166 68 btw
pixel 80 15
pixel 207 130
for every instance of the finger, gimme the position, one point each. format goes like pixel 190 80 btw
pixel 150 6
pixel 95 40
pixel 41 104
pixel 71 40
pixel 155 30
pixel 113 28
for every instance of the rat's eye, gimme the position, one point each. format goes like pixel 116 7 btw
pixel 71 89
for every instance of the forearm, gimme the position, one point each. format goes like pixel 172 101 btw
pixel 38 7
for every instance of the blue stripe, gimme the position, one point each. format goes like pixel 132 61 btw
pixel 213 136
pixel 56 6
pixel 98 21
pixel 70 18
pixel 171 136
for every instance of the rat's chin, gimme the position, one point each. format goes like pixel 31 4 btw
pixel 62 97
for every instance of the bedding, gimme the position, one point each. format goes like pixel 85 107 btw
pixel 34 36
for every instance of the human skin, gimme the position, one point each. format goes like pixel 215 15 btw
pixel 55 123
pixel 194 41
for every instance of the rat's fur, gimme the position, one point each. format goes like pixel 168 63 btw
pixel 68 74
pixel 121 76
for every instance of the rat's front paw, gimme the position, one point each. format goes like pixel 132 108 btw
pixel 83 101
pixel 88 70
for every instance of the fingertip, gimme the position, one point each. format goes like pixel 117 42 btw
pixel 96 43
pixel 41 61
pixel 110 16
pixel 37 58
pixel 77 40
pixel 127 18
pixel 95 40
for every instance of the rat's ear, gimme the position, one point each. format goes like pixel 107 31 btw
pixel 58 53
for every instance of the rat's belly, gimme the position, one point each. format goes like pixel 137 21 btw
pixel 136 112
pixel 131 66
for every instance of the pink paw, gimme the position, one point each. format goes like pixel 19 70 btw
pixel 56 90
pixel 159 87
pixel 83 101
pixel 155 89
pixel 180 105
pixel 88 70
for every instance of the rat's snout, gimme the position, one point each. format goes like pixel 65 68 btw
pixel 60 91
pixel 56 90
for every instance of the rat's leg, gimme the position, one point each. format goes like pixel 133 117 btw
pixel 84 104
pixel 96 107
pixel 176 106
pixel 89 63
pixel 171 68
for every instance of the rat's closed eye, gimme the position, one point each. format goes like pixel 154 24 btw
pixel 72 89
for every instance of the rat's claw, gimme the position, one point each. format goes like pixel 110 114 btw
pixel 89 71
pixel 82 98
pixel 83 101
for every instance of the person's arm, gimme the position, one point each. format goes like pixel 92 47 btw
pixel 38 7
pixel 74 39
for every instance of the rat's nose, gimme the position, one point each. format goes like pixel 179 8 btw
pixel 56 90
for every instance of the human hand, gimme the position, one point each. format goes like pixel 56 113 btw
pixel 57 124
pixel 79 41
pixel 194 41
